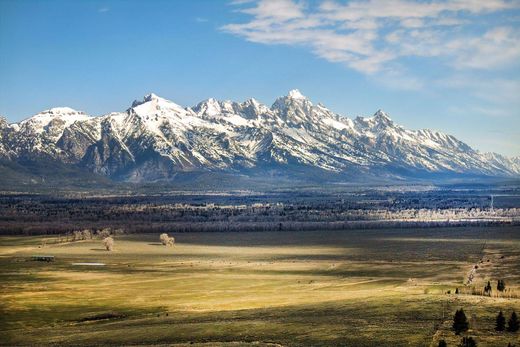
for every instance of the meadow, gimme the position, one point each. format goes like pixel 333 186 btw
pixel 385 287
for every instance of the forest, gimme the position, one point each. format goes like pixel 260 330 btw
pixel 306 209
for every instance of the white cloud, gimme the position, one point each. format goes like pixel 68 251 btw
pixel 498 47
pixel 276 9
pixel 412 23
pixel 370 36
pixel 402 9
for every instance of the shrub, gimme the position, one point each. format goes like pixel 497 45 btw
pixel 442 343
pixel 501 285
pixel 460 322
pixel 109 243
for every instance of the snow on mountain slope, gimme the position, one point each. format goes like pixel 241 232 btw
pixel 38 135
pixel 52 122
pixel 156 138
pixel 4 153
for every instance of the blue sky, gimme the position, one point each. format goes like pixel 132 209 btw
pixel 453 66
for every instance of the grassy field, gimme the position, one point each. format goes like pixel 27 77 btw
pixel 348 288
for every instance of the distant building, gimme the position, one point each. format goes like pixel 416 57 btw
pixel 47 258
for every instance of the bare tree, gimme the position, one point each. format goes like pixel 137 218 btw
pixel 87 234
pixel 77 235
pixel 167 240
pixel 109 243
pixel 104 233
pixel 164 238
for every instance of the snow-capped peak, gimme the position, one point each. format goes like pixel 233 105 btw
pixel 51 122
pixel 69 115
pixel 152 103
pixel 209 107
pixel 380 114
pixel 293 99
pixel 149 98
pixel 62 111
pixel 255 104
pixel 252 101
pixel 227 135
pixel 380 120
pixel 295 94
pixel 252 108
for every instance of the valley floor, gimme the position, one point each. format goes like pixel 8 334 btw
pixel 313 288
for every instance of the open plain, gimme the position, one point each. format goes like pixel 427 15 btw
pixel 355 288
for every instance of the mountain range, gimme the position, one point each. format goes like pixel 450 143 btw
pixel 157 140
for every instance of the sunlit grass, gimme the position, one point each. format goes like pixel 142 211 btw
pixel 311 288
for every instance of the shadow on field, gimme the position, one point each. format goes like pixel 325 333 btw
pixel 392 323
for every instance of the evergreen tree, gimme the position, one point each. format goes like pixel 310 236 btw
pixel 487 288
pixel 442 343
pixel 457 291
pixel 500 322
pixel 501 285
pixel 513 324
pixel 460 322
pixel 468 342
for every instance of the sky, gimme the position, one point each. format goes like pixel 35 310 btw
pixel 452 66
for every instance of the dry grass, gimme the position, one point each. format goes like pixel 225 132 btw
pixel 359 288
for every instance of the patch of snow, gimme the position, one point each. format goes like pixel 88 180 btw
pixel 295 94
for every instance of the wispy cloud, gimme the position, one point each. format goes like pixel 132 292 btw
pixel 501 92
pixel 371 36
pixel 103 9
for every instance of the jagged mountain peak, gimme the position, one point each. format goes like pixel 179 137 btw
pixel 154 104
pixel 379 120
pixel 151 97
pixel 210 107
pixel 293 106
pixel 255 104
pixel 382 118
pixel 252 101
pixel 156 138
pixel 380 114
pixel 295 94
